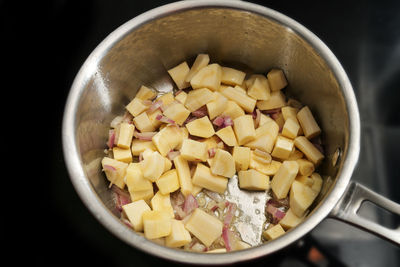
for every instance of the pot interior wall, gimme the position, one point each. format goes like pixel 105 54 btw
pixel 250 42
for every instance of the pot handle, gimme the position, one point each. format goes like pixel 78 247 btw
pixel 348 206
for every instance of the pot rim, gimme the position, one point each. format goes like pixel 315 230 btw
pixel 112 223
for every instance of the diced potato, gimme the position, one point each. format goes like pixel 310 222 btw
pixel 143 123
pixel 125 135
pixel 273 232
pixel 156 224
pixel 253 180
pixel 217 106
pixel 249 82
pixel 227 136
pixel 135 180
pixel 311 152
pixel 232 76
pixel 211 142
pixel 136 106
pixel 283 179
pixel 233 110
pixel 304 180
pixel 217 250
pixel 167 139
pixel 193 150
pixel 201 127
pixel 295 155
pixel 198 98
pixel 308 123
pixel 276 100
pixel 115 171
pixel 289 112
pixel 184 135
pixel 290 220
pixel 162 203
pixel 167 99
pixel 223 164
pixel 177 112
pixel 179 235
pixel 138 146
pixel 153 118
pixel 283 148
pixel 200 62
pixel 305 167
pixel 264 119
pixel 243 100
pixel 196 190
pixel 290 128
pixel 276 79
pixel 259 90
pixel 301 197
pixel 317 183
pixel 168 182
pixel 185 181
pixel 181 97
pixel 204 226
pixel 122 154
pixel 244 129
pixel 208 77
pixel 178 74
pixel 241 155
pixel 145 93
pixel 203 177
pixel 263 167
pixel 265 137
pixel 144 195
pixel 153 166
pixel 134 211
pixel 240 245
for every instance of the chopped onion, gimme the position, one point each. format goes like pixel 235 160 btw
pixel 229 213
pixel 201 112
pixel 227 121
pixel 140 156
pixel 178 92
pixel 146 136
pixel 190 119
pixel 275 212
pixel 173 154
pixel 257 118
pixel 109 168
pixel 111 139
pixel 213 195
pixel 219 121
pixel 127 223
pixel 211 152
pixel 190 204
pixel 272 111
pixel 164 119
pixel 117 120
pixel 227 237
pixel 121 198
pixel 127 117
pixel 154 106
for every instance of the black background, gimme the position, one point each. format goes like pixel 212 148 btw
pixel 44 43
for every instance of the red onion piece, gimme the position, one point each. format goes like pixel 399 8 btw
pixel 173 154
pixel 190 204
pixel 111 138
pixel 211 152
pixel 127 117
pixel 140 156
pixel 201 112
pixel 219 121
pixel 227 237
pixel 146 136
pixel 164 119
pixel 227 121
pixel 127 223
pixel 213 195
pixel 272 111
pixel 214 208
pixel 275 212
pixel 109 168
pixel 178 92
pixel 121 197
pixel 229 213
pixel 154 106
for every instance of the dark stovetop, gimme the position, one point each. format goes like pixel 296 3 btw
pixel 61 34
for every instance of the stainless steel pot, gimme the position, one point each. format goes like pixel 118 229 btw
pixel 234 33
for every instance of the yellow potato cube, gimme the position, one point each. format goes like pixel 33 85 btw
pixel 290 128
pixel 115 171
pixel 145 93
pixel 244 129
pixel 304 180
pixel 305 167
pixel 317 183
pixel 233 110
pixel 198 98
pixel 232 76
pixel 185 181
pixel 301 197
pixel 262 166
pixel 204 226
pixel 143 123
pixel 168 139
pixel 208 77
pixel 227 136
pixel 273 232
pixel 223 164
pixel 179 235
pixel 144 195
pixel 167 99
pixel 265 137
pixel 284 178
pixel 249 82
pixel 181 97
pixel 178 74
pixel 308 124
pixel 259 90
pixel 153 118
pixel 211 142
pixel 134 211
pixel 242 99
pixel 152 166
pixel 283 147
pixel 201 127
pixel 193 150
pixel 156 224
pixel 311 152
pixel 200 62
pixel 196 189
pixel 253 180
pixel 136 106
pixel 217 106
pixel 290 220
pixel 138 146
pixel 295 155
pixel 239 245
pixel 203 177
pixel 241 155
pixel 289 112
pixel 276 100
pixel 264 119
pixel 122 154
pixel 168 182
pixel 276 79
pixel 167 165
pixel 177 112
pixel 135 180
pixel 125 135
pixel 184 135
pixel 162 202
